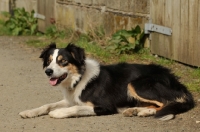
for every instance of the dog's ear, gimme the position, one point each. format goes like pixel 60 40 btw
pixel 77 53
pixel 44 54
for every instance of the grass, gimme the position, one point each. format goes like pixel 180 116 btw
pixel 36 43
pixel 196 73
pixel 194 85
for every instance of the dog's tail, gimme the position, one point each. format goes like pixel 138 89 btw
pixel 171 109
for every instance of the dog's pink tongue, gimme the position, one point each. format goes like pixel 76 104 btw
pixel 53 81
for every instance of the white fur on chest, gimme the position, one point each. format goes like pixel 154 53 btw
pixel 72 95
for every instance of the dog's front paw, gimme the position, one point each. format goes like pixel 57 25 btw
pixel 58 114
pixel 28 114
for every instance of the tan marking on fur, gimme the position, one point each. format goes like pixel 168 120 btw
pixel 89 104
pixel 149 105
pixel 132 93
pixel 60 57
pixel 72 69
pixel 50 59
pixel 156 108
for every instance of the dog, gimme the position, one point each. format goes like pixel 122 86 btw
pixel 92 89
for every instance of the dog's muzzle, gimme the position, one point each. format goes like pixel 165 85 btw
pixel 55 80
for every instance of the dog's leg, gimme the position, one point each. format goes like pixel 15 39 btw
pixel 139 111
pixel 74 111
pixel 147 112
pixel 43 110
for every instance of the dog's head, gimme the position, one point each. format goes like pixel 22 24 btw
pixel 64 64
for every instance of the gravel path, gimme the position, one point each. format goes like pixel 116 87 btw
pixel 23 85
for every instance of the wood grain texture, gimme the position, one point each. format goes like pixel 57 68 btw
pixel 46 8
pixel 183 16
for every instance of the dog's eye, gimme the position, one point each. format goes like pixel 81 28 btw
pixel 64 62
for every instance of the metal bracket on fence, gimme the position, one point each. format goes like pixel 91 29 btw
pixel 149 27
pixel 37 15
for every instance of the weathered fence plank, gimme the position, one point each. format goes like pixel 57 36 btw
pixel 46 8
pixel 183 54
pixel 176 37
pixel 157 13
pixel 197 46
pixel 168 47
pixel 193 24
pixel 183 16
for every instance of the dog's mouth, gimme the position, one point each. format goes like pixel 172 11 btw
pixel 55 81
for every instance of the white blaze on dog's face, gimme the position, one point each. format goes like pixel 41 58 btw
pixel 64 65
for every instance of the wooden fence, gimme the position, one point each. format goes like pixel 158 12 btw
pixel 46 8
pixel 84 15
pixel 183 17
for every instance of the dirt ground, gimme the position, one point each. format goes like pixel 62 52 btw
pixel 23 85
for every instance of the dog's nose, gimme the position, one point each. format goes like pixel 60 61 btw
pixel 49 72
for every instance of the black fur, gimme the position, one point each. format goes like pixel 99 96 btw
pixel 108 91
pixel 46 52
pixel 77 53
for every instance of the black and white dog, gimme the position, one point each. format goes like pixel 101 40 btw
pixel 93 89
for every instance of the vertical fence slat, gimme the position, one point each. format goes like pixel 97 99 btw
pixel 192 28
pixel 41 10
pixel 176 22
pixel 46 8
pixel 49 11
pixel 197 46
pixel 154 37
pixel 193 36
pixel 184 40
pixel 168 47
pixel 158 39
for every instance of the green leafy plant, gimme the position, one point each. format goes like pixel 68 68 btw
pixel 127 41
pixel 22 22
